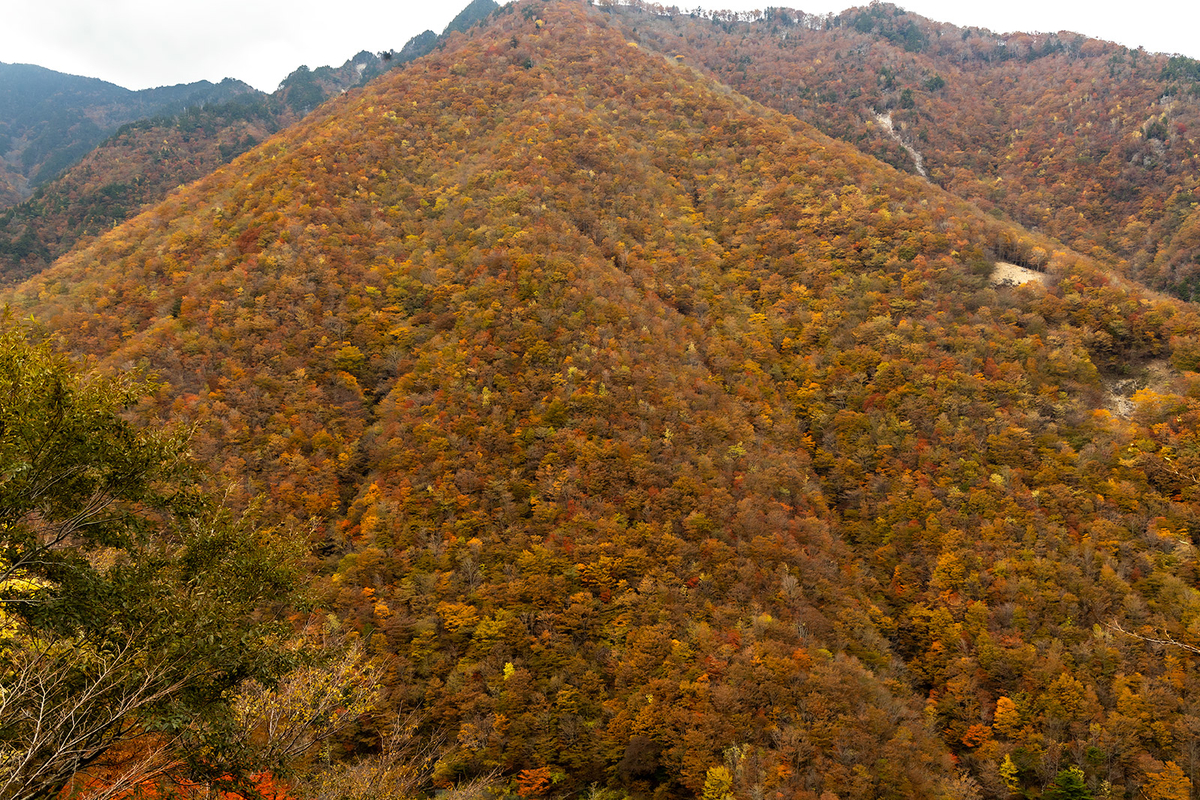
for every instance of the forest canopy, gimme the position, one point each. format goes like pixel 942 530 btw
pixel 649 441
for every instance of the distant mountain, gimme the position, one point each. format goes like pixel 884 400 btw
pixel 139 164
pixel 1084 140
pixel 49 120
pixel 662 446
pixel 192 134
pixel 424 43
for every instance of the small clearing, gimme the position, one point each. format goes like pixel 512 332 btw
pixel 1007 274
pixel 1155 374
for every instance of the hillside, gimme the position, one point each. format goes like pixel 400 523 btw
pixel 146 159
pixel 659 441
pixel 1084 140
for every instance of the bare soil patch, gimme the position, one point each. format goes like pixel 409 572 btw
pixel 1007 274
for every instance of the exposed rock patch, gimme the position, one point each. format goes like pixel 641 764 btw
pixel 885 120
pixel 1007 274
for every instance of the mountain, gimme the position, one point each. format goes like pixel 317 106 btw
pixel 1000 120
pixel 145 160
pixel 1084 140
pixel 139 164
pixel 658 442
pixel 48 120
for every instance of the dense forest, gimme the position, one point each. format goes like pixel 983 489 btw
pixel 641 439
pixel 1084 140
pixel 147 158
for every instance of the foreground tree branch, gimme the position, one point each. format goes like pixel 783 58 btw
pixel 131 606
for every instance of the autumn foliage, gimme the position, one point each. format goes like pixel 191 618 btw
pixel 658 441
pixel 1087 141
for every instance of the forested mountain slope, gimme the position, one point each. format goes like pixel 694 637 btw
pixel 1085 140
pixel 146 159
pixel 140 164
pixel 48 119
pixel 661 442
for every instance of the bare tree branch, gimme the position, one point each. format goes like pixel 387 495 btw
pixel 1166 641
pixel 66 708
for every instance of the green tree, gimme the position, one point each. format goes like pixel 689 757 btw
pixel 130 605
pixel 1069 784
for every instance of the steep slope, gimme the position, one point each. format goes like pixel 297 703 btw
pixel 660 440
pixel 139 164
pixel 145 160
pixel 1085 140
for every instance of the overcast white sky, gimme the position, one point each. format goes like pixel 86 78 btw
pixel 143 43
